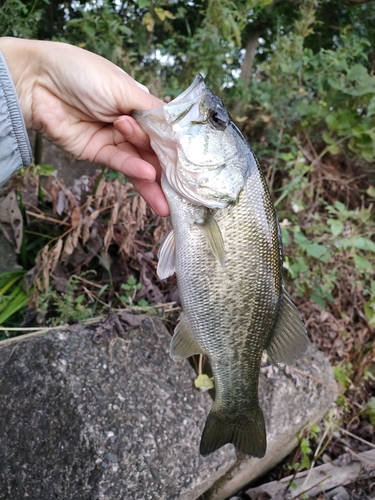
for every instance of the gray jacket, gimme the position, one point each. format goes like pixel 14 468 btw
pixel 15 151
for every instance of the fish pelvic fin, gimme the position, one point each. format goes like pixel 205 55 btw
pixel 289 340
pixel 167 256
pixel 247 432
pixel 183 343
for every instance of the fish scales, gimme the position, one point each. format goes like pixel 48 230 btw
pixel 227 254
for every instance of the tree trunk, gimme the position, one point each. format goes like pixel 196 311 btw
pixel 247 68
pixel 247 64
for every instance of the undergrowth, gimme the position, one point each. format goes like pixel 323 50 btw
pixel 86 250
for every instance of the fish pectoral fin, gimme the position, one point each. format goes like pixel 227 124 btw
pixel 289 340
pixel 210 228
pixel 247 432
pixel 167 256
pixel 183 343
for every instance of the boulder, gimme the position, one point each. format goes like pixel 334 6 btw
pixel 108 421
pixel 95 413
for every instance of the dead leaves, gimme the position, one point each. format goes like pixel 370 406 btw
pixel 94 218
pixel 11 219
pixel 47 261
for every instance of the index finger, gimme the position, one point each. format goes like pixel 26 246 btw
pixel 132 132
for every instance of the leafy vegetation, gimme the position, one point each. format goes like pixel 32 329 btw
pixel 298 76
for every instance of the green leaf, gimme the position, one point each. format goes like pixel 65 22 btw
pixel 80 299
pixel 305 446
pixel 143 3
pixel 337 227
pixel 334 149
pixel 317 251
pixel 305 462
pixel 15 302
pixel 357 72
pixel 102 290
pixel 335 83
pixel 342 374
pixel 327 138
pixel 203 382
pixel 315 429
pixel 371 107
pixel 369 308
pixel 45 169
pixel 361 263
pixel 319 300
pixel 285 236
pixel 142 303
pixel 359 242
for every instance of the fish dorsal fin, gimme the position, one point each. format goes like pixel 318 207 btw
pixel 167 256
pixel 289 340
pixel 210 228
pixel 183 343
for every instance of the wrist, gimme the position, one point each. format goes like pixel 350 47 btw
pixel 21 57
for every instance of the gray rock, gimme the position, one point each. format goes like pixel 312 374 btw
pixel 68 167
pixel 121 421
pixel 8 261
pixel 116 421
pixel 339 493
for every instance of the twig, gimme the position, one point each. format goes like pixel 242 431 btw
pixel 316 453
pixel 200 367
pixel 86 281
pixel 36 332
pixel 358 438
pixel 318 381
pixel 326 149
pixel 11 354
pixel 359 458
pixel 314 485
pixel 44 217
pixel 147 245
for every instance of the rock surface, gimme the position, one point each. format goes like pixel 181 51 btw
pixel 8 261
pixel 120 421
pixel 112 421
pixel 67 166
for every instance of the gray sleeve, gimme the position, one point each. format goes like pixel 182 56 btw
pixel 15 151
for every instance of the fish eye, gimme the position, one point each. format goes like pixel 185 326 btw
pixel 219 118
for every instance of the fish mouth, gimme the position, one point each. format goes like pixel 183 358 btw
pixel 182 104
pixel 172 112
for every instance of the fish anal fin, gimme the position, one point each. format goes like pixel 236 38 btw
pixel 167 256
pixel 246 431
pixel 210 228
pixel 183 343
pixel 289 340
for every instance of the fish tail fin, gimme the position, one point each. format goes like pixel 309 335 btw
pixel 247 432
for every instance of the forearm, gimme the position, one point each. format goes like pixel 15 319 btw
pixel 15 151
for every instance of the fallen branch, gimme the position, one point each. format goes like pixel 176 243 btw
pixel 340 472
pixel 38 331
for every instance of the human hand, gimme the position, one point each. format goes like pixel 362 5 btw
pixel 80 101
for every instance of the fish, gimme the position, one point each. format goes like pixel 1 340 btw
pixel 226 250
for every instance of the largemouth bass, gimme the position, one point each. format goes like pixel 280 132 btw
pixel 226 250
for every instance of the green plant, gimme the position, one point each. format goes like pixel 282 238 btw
pixel 71 306
pixel 13 297
pixel 131 287
pixel 369 411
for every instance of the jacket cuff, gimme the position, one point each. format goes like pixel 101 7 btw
pixel 15 150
